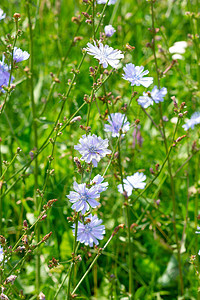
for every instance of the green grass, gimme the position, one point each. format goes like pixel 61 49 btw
pixel 153 243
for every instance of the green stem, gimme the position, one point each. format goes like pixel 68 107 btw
pixel 74 251
pixel 93 14
pixel 131 292
pixel 91 265
pixel 6 169
pixel 33 108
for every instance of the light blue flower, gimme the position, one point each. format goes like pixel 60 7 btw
pixel 19 55
pixel 145 101
pixel 83 197
pixel 4 74
pixel 156 96
pixel 2 14
pixel 1 254
pixel 136 75
pixel 117 121
pixel 97 181
pixel 91 231
pixel 133 182
pixel 194 120
pixel 110 2
pixel 105 54
pixel 92 148
pixel 109 30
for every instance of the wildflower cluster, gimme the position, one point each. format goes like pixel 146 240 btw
pixel 15 55
pixel 83 198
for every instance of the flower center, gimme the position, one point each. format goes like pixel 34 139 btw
pixel 88 228
pixel 116 127
pixel 84 197
pixel 92 149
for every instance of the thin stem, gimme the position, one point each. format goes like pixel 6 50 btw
pixel 33 108
pixel 131 292
pixel 187 160
pixel 62 283
pixel 91 265
pixel 93 21
pixel 74 251
pixel 150 118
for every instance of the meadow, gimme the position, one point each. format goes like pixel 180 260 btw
pixel 99 149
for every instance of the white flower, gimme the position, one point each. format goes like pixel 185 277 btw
pixel 194 120
pixel 105 54
pixel 19 55
pixel 105 1
pixel 41 296
pixel 145 101
pixel 133 182
pixel 2 15
pixel 109 30
pixel 178 48
pixel 177 56
pixel 135 75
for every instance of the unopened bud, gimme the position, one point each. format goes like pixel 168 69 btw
pixel 129 47
pixel 2 240
pixel 10 279
pixel 75 20
pixel 174 100
pixel 137 121
pixel 16 16
pixel 151 171
pixel 77 38
pixel 85 14
pixel 46 237
pixel 25 224
pixel 117 229
pixel 41 296
pixel 180 138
